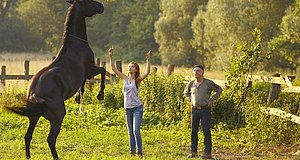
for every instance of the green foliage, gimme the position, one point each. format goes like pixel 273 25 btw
pixel 224 112
pixel 242 65
pixel 228 22
pixel 290 26
pixel 163 95
pixel 114 96
pixel 47 22
pixel 286 46
pixel 173 32
pixel 259 128
pixel 129 28
pixel 198 27
pixel 183 32
pixel 266 129
pixel 16 37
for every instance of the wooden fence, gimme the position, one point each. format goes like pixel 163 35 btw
pixel 26 76
pixel 276 80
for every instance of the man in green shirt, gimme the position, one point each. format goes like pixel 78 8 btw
pixel 199 92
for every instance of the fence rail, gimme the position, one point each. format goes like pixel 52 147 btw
pixel 4 77
pixel 277 80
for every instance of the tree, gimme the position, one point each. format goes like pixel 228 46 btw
pixel 47 22
pixel 173 31
pixel 5 5
pixel 99 30
pixel 228 22
pixel 15 37
pixel 286 46
pixel 129 28
pixel 198 28
pixel 140 29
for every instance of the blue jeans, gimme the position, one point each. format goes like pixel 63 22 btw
pixel 205 116
pixel 133 122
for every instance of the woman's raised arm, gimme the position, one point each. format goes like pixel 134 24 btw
pixel 113 66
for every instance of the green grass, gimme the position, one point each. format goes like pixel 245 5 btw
pixel 91 142
pixel 82 139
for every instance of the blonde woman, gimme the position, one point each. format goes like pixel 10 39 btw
pixel 132 102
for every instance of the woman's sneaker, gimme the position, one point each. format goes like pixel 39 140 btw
pixel 140 155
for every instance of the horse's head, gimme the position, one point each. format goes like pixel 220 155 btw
pixel 88 8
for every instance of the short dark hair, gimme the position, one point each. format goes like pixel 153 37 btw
pixel 199 66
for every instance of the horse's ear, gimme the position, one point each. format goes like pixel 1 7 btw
pixel 70 1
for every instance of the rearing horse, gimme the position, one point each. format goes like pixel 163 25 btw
pixel 61 79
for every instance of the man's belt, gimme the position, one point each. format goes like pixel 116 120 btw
pixel 201 107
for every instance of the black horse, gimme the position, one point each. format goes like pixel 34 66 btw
pixel 61 79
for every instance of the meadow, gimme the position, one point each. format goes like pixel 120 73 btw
pixel 100 133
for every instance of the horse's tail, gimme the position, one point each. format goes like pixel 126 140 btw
pixel 31 109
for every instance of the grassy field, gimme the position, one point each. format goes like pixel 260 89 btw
pixel 81 138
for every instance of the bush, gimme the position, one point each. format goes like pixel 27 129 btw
pixel 261 128
pixel 163 95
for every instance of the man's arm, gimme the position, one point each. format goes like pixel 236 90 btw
pixel 217 89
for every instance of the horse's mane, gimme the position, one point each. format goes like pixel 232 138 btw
pixel 67 25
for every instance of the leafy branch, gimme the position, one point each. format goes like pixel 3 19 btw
pixel 241 66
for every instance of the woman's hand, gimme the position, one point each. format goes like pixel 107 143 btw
pixel 110 52
pixel 148 55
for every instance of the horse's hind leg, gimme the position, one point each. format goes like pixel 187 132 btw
pixel 55 125
pixel 54 131
pixel 28 136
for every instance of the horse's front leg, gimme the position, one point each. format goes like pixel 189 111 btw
pixel 93 71
pixel 80 92
pixel 100 95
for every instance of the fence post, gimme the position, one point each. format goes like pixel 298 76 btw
pixel 26 67
pixel 170 69
pixel 154 70
pixel 103 64
pixel 112 78
pixel 98 61
pixel 274 91
pixel 3 73
pixel 119 65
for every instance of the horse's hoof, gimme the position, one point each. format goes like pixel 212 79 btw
pixel 100 96
pixel 77 99
pixel 55 158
